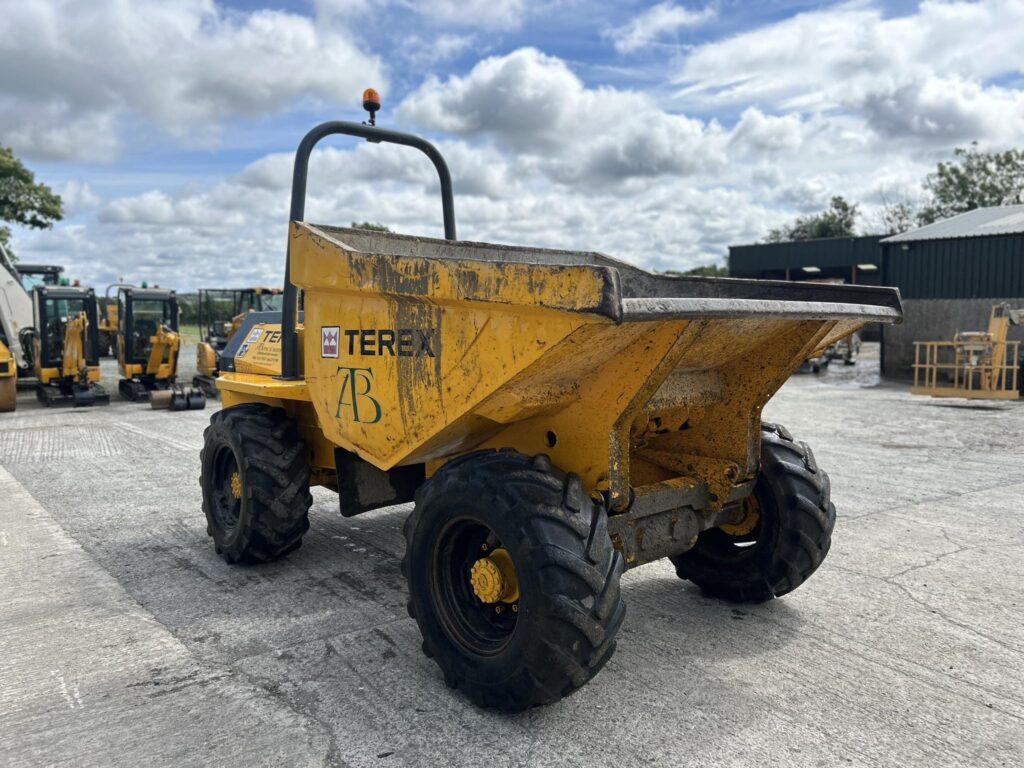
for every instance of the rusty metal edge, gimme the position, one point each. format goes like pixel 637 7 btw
pixel 686 308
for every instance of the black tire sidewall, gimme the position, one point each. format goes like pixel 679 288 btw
pixel 720 548
pixel 570 604
pixel 218 437
pixel 788 486
pixel 435 516
pixel 273 465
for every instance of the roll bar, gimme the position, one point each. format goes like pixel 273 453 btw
pixel 118 286
pixel 289 342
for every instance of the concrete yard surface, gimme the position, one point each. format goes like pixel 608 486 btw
pixel 126 641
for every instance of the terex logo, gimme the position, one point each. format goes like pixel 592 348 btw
pixel 392 342
pixel 329 335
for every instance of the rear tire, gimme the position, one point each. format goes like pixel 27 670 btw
pixel 561 629
pixel 106 344
pixel 791 539
pixel 255 481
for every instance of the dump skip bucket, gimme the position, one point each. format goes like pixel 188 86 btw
pixel 415 349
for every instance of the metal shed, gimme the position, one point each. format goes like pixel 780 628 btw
pixel 852 259
pixel 978 254
pixel 950 273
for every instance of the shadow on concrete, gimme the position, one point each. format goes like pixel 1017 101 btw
pixel 711 628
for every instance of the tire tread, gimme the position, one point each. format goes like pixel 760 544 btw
pixel 277 482
pixel 580 607
pixel 806 520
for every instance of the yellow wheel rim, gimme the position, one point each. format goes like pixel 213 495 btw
pixel 751 517
pixel 493 578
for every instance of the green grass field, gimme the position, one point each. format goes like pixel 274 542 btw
pixel 190 334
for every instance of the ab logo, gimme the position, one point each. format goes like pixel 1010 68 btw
pixel 355 397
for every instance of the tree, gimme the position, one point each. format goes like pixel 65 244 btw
pixel 23 200
pixel 370 226
pixel 975 179
pixel 838 220
pixel 896 215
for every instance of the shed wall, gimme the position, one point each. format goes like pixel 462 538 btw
pixel 962 268
pixel 755 260
pixel 936 320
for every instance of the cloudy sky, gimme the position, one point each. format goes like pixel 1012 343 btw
pixel 658 132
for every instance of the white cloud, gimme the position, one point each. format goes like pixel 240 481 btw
pixel 844 100
pixel 533 104
pixel 923 76
pixel 78 197
pixel 54 130
pixel 233 231
pixel 329 9
pixel 657 22
pixel 947 109
pixel 421 52
pixel 524 97
pixel 495 15
pixel 69 78
pixel 485 14
pixel 763 133
pixel 157 207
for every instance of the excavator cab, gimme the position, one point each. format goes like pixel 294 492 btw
pixel 148 342
pixel 257 300
pixel 32 275
pixel 65 345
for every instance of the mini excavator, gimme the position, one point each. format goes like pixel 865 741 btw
pixel 17 329
pixel 148 343
pixel 63 342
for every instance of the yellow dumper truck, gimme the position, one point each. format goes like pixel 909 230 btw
pixel 221 311
pixel 557 417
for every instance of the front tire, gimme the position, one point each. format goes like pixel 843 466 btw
pixel 255 480
pixel 559 629
pixel 790 540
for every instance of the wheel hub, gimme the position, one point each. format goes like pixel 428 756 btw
pixel 493 578
pixel 750 516
pixel 236 484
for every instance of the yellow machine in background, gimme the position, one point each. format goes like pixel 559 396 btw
pixel 108 330
pixel 556 416
pixel 64 347
pixel 108 324
pixel 221 312
pixel 8 380
pixel 148 344
pixel 976 364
